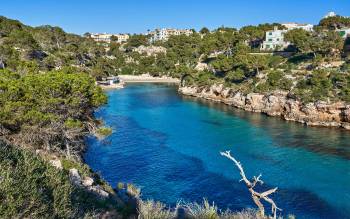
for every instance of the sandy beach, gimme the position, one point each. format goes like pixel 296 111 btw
pixel 147 79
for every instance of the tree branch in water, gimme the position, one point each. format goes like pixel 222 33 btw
pixel 256 196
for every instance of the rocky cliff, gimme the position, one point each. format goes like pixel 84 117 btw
pixel 277 103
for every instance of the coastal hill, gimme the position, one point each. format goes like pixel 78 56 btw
pixel 48 95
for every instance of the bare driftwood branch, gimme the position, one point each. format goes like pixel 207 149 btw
pixel 256 196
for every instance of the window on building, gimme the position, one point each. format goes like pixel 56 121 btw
pixel 270 40
pixel 270 33
pixel 342 33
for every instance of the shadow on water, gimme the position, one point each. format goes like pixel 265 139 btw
pixel 322 140
pixel 214 123
pixel 166 179
pixel 147 150
pixel 159 94
pixel 232 194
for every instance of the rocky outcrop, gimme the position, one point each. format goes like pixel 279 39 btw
pixel 277 103
pixel 56 163
pixel 87 183
pixel 201 66
pixel 150 50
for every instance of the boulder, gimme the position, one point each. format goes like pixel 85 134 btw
pixel 150 50
pixel 274 105
pixel 216 89
pixel 254 102
pixel 2 64
pixel 190 91
pixel 88 181
pixel 239 100
pixel 226 93
pixel 99 191
pixel 56 163
pixel 75 177
pixel 201 66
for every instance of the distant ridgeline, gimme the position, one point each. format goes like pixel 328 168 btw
pixel 310 61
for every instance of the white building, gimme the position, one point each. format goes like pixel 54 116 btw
pixel 100 37
pixel 122 37
pixel 292 26
pixel 106 38
pixel 330 14
pixel 274 40
pixel 164 33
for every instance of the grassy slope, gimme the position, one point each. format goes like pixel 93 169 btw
pixel 32 188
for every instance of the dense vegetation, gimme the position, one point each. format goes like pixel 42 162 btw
pixel 47 98
pixel 335 22
pixel 315 61
pixel 48 111
pixel 225 55
pixel 26 49
pixel 31 188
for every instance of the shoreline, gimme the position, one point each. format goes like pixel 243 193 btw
pixel 147 79
pixel 111 87
pixel 318 114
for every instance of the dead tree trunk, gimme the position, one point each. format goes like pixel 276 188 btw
pixel 256 196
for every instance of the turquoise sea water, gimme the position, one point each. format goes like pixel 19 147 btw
pixel 169 146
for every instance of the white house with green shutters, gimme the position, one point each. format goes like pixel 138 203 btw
pixel 274 40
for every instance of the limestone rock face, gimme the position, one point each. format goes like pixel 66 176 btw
pixel 274 105
pixel 277 104
pixel 87 184
pixel 99 191
pixel 216 89
pixel 150 50
pixel 188 90
pixel 75 177
pixel 239 100
pixel 88 181
pixel 254 102
pixel 346 114
pixel 201 66
pixel 56 163
pixel 226 93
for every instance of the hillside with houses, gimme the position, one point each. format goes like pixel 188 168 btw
pixel 304 63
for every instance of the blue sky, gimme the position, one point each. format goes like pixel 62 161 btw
pixel 135 16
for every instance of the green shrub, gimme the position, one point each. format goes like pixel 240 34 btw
pixel 47 102
pixel 73 123
pixel 32 188
pixel 154 210
pixel 274 61
pixel 236 76
pixel 204 210
pixel 104 131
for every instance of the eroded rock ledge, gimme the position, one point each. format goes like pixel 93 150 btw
pixel 277 103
